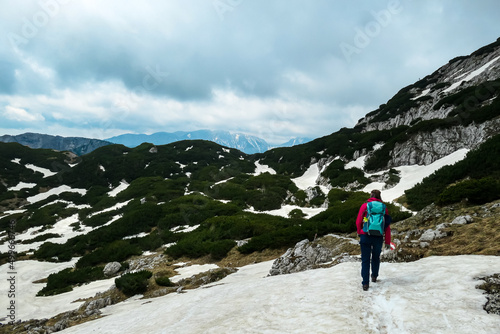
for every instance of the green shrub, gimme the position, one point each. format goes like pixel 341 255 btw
pixel 64 280
pixel 296 213
pixel 116 251
pixel 219 249
pixel 164 281
pixel 474 191
pixel 41 237
pixel 133 283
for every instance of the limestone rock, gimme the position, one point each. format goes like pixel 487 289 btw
pixel 97 304
pixel 112 268
pixel 303 256
pixel 462 220
pixel 431 234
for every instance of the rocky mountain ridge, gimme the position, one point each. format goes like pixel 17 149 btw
pixel 77 145
pixel 462 96
pixel 459 73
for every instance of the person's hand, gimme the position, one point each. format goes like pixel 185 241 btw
pixel 387 246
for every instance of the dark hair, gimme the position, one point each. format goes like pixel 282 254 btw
pixel 376 194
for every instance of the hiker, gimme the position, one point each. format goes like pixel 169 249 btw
pixel 371 241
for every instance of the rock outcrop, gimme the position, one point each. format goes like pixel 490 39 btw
pixel 303 256
pixel 426 147
pixel 426 100
pixel 111 268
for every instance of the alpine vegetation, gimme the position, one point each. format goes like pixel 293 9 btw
pixel 192 236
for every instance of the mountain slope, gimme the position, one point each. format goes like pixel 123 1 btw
pixel 77 145
pixel 156 207
pixel 458 106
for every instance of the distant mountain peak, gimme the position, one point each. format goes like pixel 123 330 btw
pixel 246 143
pixel 77 145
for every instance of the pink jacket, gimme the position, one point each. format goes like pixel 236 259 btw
pixel 362 214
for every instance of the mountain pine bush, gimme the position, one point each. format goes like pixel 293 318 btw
pixel 133 283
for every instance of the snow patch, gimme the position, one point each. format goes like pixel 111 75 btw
pixel 424 92
pixel 186 272
pixel 55 191
pixel 411 175
pixel 259 169
pixel 308 179
pixel 46 172
pixel 184 228
pixel 358 163
pixel 22 185
pixel 121 187
pixel 181 165
pixel 140 235
pixel 112 208
pixel 471 75
pixel 286 209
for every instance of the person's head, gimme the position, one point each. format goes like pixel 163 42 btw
pixel 376 194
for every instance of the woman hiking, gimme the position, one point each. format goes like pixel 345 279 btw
pixel 371 241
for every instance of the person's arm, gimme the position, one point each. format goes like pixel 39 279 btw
pixel 387 230
pixel 388 235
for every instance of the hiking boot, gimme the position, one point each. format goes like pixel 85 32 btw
pixel 374 279
pixel 365 287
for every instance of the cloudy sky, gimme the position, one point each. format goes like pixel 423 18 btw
pixel 276 69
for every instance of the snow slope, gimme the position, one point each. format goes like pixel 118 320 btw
pixel 309 178
pixel 411 175
pixel 432 295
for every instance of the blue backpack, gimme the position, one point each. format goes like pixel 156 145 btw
pixel 374 222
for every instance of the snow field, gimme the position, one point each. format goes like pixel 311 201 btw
pixel 432 295
pixel 29 306
pixel 62 228
pixel 411 175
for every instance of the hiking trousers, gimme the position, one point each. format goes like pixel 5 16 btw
pixel 371 246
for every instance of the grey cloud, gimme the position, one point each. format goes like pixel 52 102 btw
pixel 185 50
